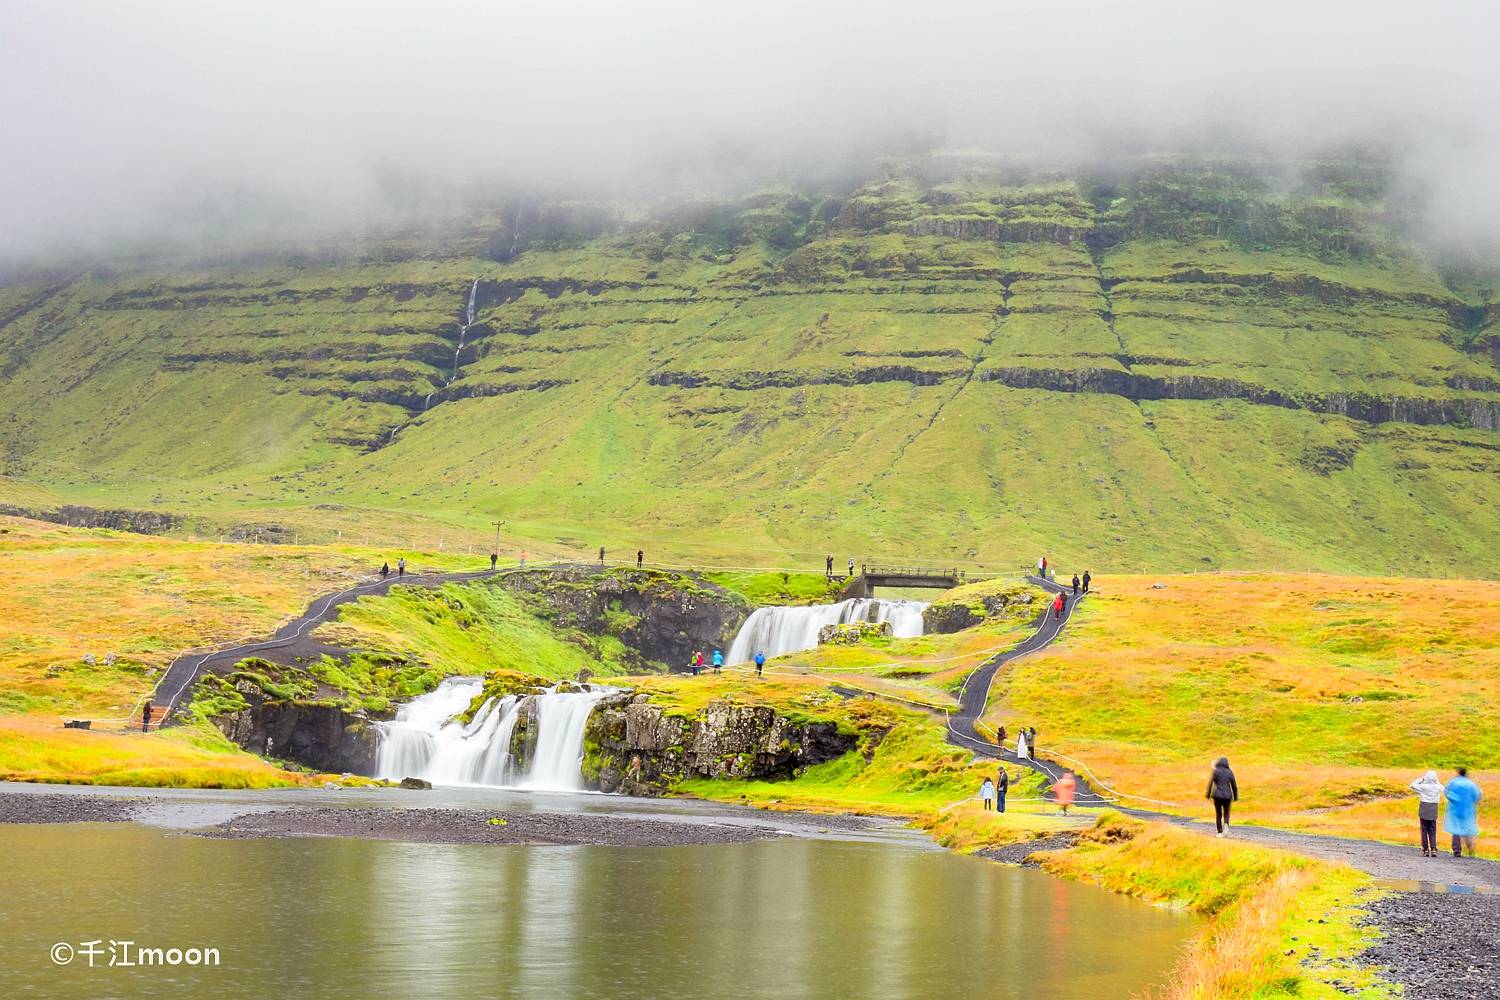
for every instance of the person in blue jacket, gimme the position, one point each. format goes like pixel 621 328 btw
pixel 718 661
pixel 1463 812
pixel 760 662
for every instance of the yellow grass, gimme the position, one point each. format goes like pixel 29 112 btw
pixel 1328 694
pixel 1278 925
pixel 73 592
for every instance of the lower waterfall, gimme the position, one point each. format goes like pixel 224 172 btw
pixel 424 740
pixel 780 630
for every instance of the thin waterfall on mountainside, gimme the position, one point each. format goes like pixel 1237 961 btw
pixel 777 631
pixel 426 740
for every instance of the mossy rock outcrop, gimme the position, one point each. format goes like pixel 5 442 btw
pixel 976 603
pixel 660 617
pixel 852 633
pixel 635 746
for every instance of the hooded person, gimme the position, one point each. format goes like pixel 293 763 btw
pixel 1429 795
pixel 1223 789
pixel 1462 823
pixel 987 794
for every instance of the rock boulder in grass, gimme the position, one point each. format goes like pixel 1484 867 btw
pixel 852 633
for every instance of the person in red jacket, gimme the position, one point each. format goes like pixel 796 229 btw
pixel 1058 603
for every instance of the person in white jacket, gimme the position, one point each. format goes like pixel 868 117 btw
pixel 1429 794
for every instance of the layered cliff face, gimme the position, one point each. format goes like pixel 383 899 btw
pixel 1144 370
pixel 634 746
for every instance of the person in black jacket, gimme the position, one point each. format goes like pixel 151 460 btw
pixel 1086 578
pixel 1002 785
pixel 1223 789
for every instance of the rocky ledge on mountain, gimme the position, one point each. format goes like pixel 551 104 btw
pixel 634 746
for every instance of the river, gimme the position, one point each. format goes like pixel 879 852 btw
pixel 819 915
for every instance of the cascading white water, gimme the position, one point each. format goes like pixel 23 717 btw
pixel 425 741
pixel 780 630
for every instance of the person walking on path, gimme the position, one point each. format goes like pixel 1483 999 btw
pixel 695 662
pixel 1023 749
pixel 640 558
pixel 1031 741
pixel 601 555
pixel 987 794
pixel 718 661
pixel 401 566
pixel 1223 789
pixel 851 569
pixel 494 558
pixel 1463 812
pixel 760 662
pixel 1429 796
pixel 1075 584
pixel 1002 785
pixel 1058 603
pixel 146 718
pixel 1064 790
pixel 1041 567
pixel 385 570
pixel 1086 579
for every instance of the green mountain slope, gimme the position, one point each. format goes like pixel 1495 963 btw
pixel 1184 366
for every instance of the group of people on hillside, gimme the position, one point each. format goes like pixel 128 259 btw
pixel 696 662
pixel 1462 823
pixel 1461 793
pixel 385 568
pixel 828 567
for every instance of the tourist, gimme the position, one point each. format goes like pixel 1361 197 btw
pixel 1023 751
pixel 718 661
pixel 851 569
pixel 601 555
pixel 1000 735
pixel 640 558
pixel 385 570
pixel 146 717
pixel 1075 584
pixel 1086 579
pixel 1031 741
pixel 1223 789
pixel 1463 812
pixel 523 560
pixel 1041 567
pixel 1002 785
pixel 494 558
pixel 1064 790
pixel 760 662
pixel 1429 796
pixel 694 662
pixel 829 571
pixel 987 794
pixel 1058 603
pixel 401 566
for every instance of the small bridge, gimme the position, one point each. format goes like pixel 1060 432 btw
pixel 871 577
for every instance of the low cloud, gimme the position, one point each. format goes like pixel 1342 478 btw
pixel 131 123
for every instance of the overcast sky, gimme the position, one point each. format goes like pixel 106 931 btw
pixel 133 120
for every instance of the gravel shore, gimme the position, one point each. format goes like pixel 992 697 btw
pixel 1439 945
pixel 1016 854
pixel 43 808
pixel 473 826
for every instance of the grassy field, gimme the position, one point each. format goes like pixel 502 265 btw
pixel 1328 694
pixel 916 368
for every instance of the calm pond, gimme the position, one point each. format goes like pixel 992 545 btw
pixel 347 917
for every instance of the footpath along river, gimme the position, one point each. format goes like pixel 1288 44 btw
pixel 805 908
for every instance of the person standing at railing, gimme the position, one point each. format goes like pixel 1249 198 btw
pixel 146 718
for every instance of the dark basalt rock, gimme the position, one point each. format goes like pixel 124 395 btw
pixel 634 746
pixel 320 736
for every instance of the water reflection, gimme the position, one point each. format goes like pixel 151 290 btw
pixel 786 918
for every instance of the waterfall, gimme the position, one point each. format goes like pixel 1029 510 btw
pixel 463 331
pixel 780 630
pixel 426 741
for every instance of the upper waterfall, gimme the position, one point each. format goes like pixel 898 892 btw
pixel 776 631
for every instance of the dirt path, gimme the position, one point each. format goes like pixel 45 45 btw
pixel 293 637
pixel 1387 861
